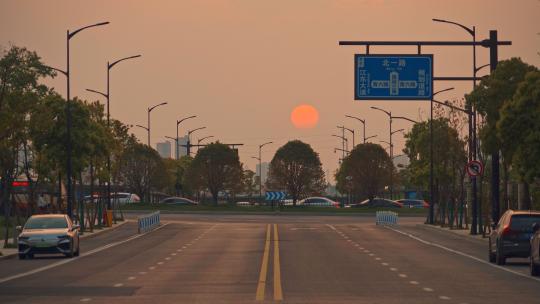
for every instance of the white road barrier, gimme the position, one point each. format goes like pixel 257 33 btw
pixel 148 222
pixel 386 218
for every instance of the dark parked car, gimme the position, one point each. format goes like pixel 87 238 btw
pixel 511 236
pixel 182 201
pixel 535 250
pixel 413 203
pixel 378 203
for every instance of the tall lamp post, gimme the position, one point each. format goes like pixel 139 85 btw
pixel 260 167
pixel 370 137
pixel 201 139
pixel 391 147
pixel 188 145
pixel 150 110
pixel 363 121
pixel 178 122
pixel 472 126
pixel 431 219
pixel 344 144
pixel 107 96
pixel 66 73
pixel 352 132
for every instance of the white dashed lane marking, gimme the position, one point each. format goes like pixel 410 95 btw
pixel 428 289
pixel 444 298
pixel 118 285
pixel 86 300
pixel 413 282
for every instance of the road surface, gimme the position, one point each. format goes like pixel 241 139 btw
pixel 268 259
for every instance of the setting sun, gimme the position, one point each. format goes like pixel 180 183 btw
pixel 304 116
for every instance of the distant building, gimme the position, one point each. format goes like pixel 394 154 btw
pixel 182 141
pixel 164 149
pixel 264 172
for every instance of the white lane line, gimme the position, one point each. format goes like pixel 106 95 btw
pixel 361 248
pixel 413 282
pixel 85 254
pixel 184 247
pixel 160 263
pixel 179 250
pixel 118 285
pixel 371 254
pixel 86 300
pixel 173 254
pixel 393 269
pixel 142 272
pixel 428 289
pixel 151 267
pixel 444 298
pixel 167 258
pixel 131 278
pixel 384 264
pixel 402 275
pixel 463 254
pixel 377 259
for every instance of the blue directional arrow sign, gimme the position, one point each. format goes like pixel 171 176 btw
pixel 393 77
pixel 275 195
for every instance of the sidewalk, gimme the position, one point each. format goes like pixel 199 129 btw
pixel 10 252
pixel 461 232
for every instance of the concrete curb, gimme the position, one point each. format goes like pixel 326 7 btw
pixel 462 234
pixel 84 236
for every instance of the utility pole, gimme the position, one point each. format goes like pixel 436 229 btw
pixel 343 128
pixel 363 121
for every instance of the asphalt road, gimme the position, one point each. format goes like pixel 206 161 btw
pixel 267 259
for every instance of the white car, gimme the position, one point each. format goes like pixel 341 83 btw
pixel 125 198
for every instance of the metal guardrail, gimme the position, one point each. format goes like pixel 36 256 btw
pixel 148 222
pixel 386 218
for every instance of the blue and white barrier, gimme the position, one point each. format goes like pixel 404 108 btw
pixel 148 222
pixel 386 218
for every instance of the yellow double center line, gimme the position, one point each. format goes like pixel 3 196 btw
pixel 278 293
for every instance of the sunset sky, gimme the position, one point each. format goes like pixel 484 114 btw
pixel 243 66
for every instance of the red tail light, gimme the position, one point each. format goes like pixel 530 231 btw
pixel 506 229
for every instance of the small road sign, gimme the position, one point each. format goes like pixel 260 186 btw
pixel 275 195
pixel 393 77
pixel 475 168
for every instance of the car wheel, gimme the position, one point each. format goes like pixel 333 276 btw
pixel 70 254
pixel 535 269
pixel 491 255
pixel 500 259
pixel 22 256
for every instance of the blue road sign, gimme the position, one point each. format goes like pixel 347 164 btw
pixel 393 77
pixel 275 195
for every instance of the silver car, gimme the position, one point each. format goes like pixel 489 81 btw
pixel 49 233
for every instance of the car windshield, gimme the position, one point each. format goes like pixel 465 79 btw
pixel 524 222
pixel 46 223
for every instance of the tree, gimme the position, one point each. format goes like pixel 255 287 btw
pixel 365 171
pixel 250 183
pixel 519 128
pixel 142 169
pixel 20 70
pixel 217 168
pixel 296 167
pixel 449 158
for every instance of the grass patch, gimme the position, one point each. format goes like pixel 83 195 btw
pixel 268 209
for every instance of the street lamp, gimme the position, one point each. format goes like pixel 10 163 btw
pixel 150 110
pixel 344 143
pixel 372 136
pixel 188 145
pixel 363 121
pixel 260 167
pixel 107 96
pixel 391 147
pixel 66 73
pixel 199 141
pixel 431 192
pixel 350 130
pixel 178 122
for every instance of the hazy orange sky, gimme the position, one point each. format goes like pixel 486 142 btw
pixel 242 66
